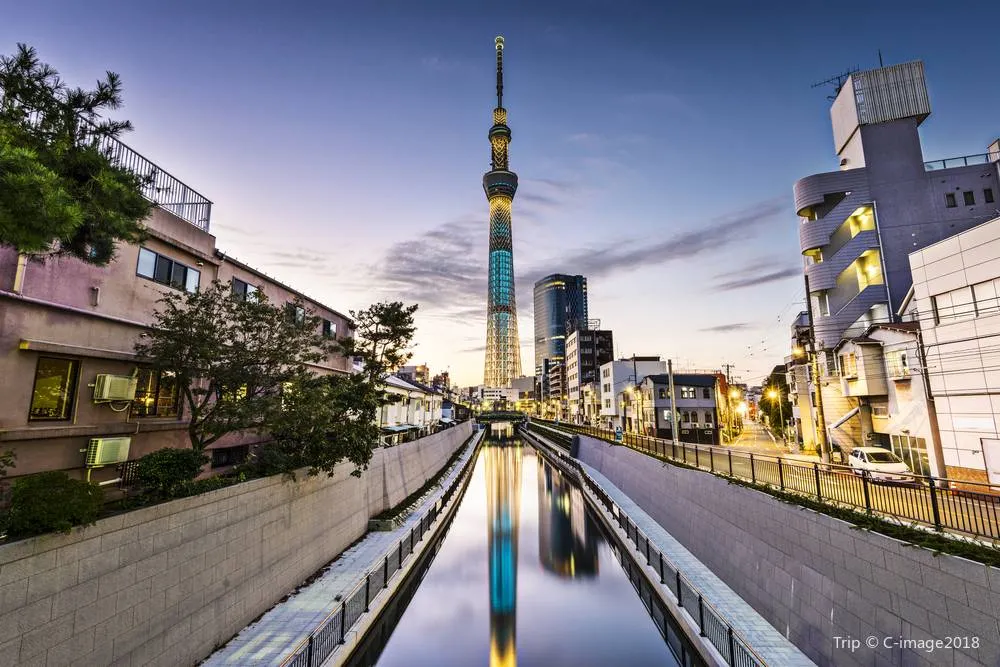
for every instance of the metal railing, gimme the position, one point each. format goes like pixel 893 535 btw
pixel 712 625
pixel 158 186
pixel 970 508
pixel 332 630
pixel 962 161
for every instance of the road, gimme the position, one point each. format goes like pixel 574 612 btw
pixel 973 514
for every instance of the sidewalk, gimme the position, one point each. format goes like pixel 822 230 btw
pixel 276 634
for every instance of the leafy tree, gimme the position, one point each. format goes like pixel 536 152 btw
pixel 61 193
pixel 327 419
pixel 51 501
pixel 167 470
pixel 232 356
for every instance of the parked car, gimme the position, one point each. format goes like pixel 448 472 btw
pixel 879 463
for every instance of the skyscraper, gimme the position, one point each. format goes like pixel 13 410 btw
pixel 560 305
pixel 503 350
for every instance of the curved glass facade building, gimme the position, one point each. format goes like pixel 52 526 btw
pixel 503 348
pixel 560 303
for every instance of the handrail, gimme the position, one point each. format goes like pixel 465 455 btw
pixel 970 508
pixel 730 643
pixel 331 632
pixel 961 161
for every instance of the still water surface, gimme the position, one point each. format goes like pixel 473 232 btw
pixel 524 576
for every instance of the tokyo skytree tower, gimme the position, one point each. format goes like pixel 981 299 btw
pixel 503 349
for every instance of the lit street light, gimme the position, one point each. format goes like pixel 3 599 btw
pixel 774 394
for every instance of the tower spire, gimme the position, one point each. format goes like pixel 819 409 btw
pixel 499 43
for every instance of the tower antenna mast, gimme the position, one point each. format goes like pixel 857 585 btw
pixel 837 80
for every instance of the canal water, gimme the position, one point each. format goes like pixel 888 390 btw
pixel 525 576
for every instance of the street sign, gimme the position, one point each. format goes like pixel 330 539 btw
pixel 618 434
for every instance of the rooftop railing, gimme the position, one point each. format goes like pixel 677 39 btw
pixel 963 161
pixel 159 186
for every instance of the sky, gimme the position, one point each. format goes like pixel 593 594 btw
pixel 343 145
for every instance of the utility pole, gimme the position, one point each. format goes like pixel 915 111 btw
pixel 823 446
pixel 932 417
pixel 729 401
pixel 673 403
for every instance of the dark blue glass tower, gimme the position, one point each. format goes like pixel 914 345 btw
pixel 503 350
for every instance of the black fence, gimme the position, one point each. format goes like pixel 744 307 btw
pixel 710 622
pixel 331 632
pixel 964 507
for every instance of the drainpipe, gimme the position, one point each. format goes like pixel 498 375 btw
pixel 881 257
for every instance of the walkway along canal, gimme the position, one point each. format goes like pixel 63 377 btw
pixel 524 574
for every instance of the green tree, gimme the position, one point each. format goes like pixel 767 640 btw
pixel 61 193
pixel 51 501
pixel 331 418
pixel 165 471
pixel 232 356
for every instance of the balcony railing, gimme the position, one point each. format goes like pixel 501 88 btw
pixel 963 161
pixel 159 186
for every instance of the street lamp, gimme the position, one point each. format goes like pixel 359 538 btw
pixel 775 394
pixel 734 393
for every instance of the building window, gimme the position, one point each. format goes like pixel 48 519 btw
pixel 849 365
pixel 986 296
pixel 705 392
pixel 229 456
pixel 687 392
pixel 897 364
pixel 54 390
pixel 156 394
pixel 166 271
pixel 709 418
pixel 970 198
pixel 662 393
pixel 685 417
pixel 988 195
pixel 242 290
pixel 295 314
pixel 329 329
pixel 913 451
pixel 949 200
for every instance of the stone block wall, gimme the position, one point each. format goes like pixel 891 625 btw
pixel 167 584
pixel 814 577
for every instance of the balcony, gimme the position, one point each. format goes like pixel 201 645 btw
pixel 160 187
pixel 963 161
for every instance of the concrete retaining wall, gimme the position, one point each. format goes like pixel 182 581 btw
pixel 167 584
pixel 814 577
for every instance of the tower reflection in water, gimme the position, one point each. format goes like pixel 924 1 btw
pixel 503 501
pixel 567 538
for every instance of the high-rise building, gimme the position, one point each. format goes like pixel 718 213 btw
pixel 587 349
pixel 560 306
pixel 503 348
pixel 858 226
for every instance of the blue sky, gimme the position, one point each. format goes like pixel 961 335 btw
pixel 344 143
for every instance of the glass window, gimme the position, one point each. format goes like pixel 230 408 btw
pixel 54 390
pixel 161 273
pixel 296 314
pixel 988 195
pixel 704 392
pixel 687 392
pixel 970 197
pixel 883 457
pixel 147 263
pixel 897 363
pixel 848 365
pixel 685 417
pixel 156 394
pixel 709 418
pixel 193 280
pixel 662 393
pixel 949 200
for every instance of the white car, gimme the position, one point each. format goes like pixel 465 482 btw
pixel 879 463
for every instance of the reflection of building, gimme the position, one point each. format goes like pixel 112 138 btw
pixel 567 541
pixel 503 502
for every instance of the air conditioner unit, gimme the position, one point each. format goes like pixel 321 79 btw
pixel 115 387
pixel 107 451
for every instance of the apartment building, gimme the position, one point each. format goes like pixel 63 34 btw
pixel 586 350
pixel 614 377
pixel 696 404
pixel 956 300
pixel 67 337
pixel 859 224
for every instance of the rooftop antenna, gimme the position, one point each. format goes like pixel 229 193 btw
pixel 880 63
pixel 837 80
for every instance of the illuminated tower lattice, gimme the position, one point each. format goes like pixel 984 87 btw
pixel 503 349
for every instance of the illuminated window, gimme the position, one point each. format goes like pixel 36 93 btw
pixel 687 392
pixel 848 365
pixel 863 219
pixel 156 394
pixel 54 390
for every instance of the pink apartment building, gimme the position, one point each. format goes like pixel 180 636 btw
pixel 67 333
